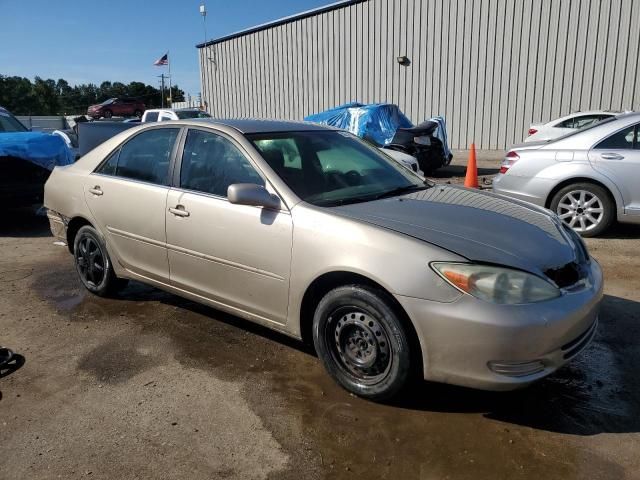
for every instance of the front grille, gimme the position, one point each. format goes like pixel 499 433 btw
pixel 576 345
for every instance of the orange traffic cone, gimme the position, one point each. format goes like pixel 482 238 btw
pixel 471 179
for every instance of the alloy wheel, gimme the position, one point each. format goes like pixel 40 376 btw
pixel 91 261
pixel 581 210
pixel 359 344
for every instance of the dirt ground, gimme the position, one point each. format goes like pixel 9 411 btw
pixel 149 385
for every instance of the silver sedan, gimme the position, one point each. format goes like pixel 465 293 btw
pixel 314 233
pixel 590 178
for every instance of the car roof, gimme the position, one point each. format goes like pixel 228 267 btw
pixel 595 112
pixel 252 125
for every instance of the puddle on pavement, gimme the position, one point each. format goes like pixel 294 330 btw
pixel 433 431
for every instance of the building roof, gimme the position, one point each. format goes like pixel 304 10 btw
pixel 253 125
pixel 282 21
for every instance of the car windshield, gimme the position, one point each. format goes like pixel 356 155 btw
pixel 108 102
pixel 182 114
pixel 9 123
pixel 330 168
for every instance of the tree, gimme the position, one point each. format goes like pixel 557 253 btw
pixel 48 97
pixel 45 92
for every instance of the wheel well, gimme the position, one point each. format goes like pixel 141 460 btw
pixel 564 183
pixel 327 282
pixel 73 226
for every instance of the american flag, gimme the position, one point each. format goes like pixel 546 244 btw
pixel 163 60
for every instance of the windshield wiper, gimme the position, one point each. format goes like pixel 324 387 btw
pixel 401 190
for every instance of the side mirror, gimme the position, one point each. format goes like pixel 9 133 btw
pixel 252 194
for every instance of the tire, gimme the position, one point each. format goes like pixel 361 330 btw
pixel 94 265
pixel 108 114
pixel 362 343
pixel 138 113
pixel 585 207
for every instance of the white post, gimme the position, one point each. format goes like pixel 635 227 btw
pixel 169 65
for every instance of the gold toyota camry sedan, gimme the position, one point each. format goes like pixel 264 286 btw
pixel 312 232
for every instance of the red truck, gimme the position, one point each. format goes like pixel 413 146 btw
pixel 119 107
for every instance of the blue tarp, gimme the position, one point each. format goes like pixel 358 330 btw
pixel 377 121
pixel 441 134
pixel 43 149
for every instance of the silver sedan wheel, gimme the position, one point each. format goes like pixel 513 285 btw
pixel 581 210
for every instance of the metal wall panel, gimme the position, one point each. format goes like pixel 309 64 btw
pixel 491 67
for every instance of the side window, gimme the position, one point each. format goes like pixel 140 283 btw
pixel 210 163
pixel 164 118
pixel 624 139
pixel 152 117
pixel 145 157
pixel 109 167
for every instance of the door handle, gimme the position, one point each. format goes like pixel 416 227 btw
pixel 96 190
pixel 612 156
pixel 179 211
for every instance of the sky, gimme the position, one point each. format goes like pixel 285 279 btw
pixel 86 41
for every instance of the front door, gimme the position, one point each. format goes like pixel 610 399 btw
pixel 127 196
pixel 618 157
pixel 235 255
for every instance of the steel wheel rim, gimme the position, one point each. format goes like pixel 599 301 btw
pixel 359 344
pixel 90 261
pixel 581 210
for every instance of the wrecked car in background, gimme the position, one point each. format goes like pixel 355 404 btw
pixel 384 125
pixel 26 160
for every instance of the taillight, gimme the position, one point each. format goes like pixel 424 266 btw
pixel 532 131
pixel 509 160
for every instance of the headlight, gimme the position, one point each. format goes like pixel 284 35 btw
pixel 496 284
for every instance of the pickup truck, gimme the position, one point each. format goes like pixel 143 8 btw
pixel 164 114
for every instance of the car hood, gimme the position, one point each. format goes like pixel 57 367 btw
pixel 482 227
pixel 95 107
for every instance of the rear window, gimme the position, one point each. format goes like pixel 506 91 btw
pixel 584 129
pixel 151 117
pixel 192 114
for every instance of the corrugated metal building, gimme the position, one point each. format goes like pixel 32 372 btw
pixel 491 67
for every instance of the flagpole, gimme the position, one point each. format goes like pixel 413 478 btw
pixel 169 65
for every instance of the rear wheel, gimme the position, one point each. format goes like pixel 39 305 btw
pixel 585 207
pixel 362 342
pixel 94 265
pixel 138 113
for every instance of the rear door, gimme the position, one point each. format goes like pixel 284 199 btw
pixel 235 255
pixel 618 157
pixel 127 196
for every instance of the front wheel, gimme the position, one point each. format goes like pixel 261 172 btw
pixel 108 114
pixel 362 342
pixel 138 113
pixel 585 207
pixel 94 265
